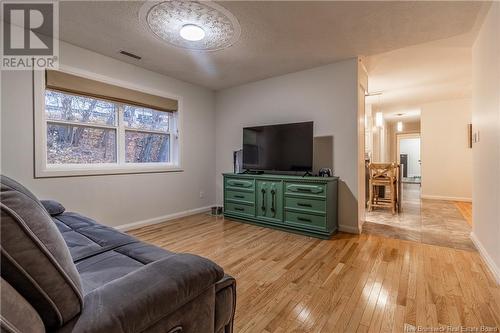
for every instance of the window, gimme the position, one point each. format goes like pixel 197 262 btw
pixel 82 134
pixel 86 130
pixel 80 130
pixel 147 137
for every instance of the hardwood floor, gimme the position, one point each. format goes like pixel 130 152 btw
pixel 465 209
pixel 350 283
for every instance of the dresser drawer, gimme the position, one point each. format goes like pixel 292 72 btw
pixel 306 204
pixel 243 184
pixel 318 190
pixel 239 209
pixel 305 220
pixel 239 196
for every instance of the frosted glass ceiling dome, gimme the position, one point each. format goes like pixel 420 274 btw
pixel 168 20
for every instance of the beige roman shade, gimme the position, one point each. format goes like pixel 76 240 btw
pixel 65 82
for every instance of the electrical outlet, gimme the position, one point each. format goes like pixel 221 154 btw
pixel 202 194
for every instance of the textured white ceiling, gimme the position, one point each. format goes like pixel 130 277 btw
pixel 407 78
pixel 276 37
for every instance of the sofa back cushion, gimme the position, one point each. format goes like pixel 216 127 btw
pixel 34 257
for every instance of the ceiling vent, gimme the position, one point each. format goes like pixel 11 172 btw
pixel 131 55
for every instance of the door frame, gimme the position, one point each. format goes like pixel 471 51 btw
pixel 413 135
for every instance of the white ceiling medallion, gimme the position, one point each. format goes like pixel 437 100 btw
pixel 195 25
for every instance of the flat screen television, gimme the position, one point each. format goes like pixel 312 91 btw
pixel 283 147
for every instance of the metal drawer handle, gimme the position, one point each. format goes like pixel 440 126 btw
pixel 303 189
pixel 273 197
pixel 239 209
pixel 263 207
pixel 239 184
pixel 303 219
pixel 239 196
pixel 303 204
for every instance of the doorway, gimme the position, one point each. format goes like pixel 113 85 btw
pixel 408 157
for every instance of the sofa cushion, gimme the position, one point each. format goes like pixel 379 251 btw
pixel 103 268
pixel 86 238
pixel 53 207
pixel 103 254
pixel 34 257
pixel 17 314
pixel 150 298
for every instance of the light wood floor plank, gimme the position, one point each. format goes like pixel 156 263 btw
pixel 350 283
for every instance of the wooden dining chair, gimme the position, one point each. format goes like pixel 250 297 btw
pixel 383 174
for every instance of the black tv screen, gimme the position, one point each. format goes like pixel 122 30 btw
pixel 284 147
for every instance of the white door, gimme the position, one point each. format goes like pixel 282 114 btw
pixel 411 148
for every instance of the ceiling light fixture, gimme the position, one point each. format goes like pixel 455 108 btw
pixel 400 126
pixel 192 32
pixel 194 25
pixel 379 119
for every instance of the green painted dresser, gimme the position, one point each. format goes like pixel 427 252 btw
pixel 306 205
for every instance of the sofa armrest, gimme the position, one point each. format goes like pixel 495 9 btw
pixel 142 298
pixel 225 304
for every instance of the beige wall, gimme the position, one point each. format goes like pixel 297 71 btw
pixel 446 159
pixel 118 199
pixel 326 95
pixel 486 152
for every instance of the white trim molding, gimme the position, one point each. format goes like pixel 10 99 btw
pixel 439 197
pixel 161 219
pixel 490 263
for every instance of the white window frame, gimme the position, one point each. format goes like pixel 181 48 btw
pixel 43 169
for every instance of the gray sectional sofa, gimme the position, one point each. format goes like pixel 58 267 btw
pixel 63 272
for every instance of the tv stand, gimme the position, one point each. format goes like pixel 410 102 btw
pixel 306 205
pixel 253 172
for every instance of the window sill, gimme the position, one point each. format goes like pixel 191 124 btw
pixel 102 170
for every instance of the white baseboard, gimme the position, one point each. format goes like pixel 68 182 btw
pixel 438 197
pixel 349 229
pixel 160 219
pixel 494 269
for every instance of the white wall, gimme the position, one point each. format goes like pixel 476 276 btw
pixel 411 147
pixel 446 159
pixel 486 121
pixel 116 199
pixel 326 95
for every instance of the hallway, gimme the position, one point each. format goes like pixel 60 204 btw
pixel 426 221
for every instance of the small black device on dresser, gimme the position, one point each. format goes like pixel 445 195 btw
pixel 325 172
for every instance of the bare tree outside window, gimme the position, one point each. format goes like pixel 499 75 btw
pixel 68 144
pixel 146 138
pixel 87 130
pixel 69 141
pixel 146 147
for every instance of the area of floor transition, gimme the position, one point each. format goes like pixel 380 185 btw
pixel 350 283
pixel 427 221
